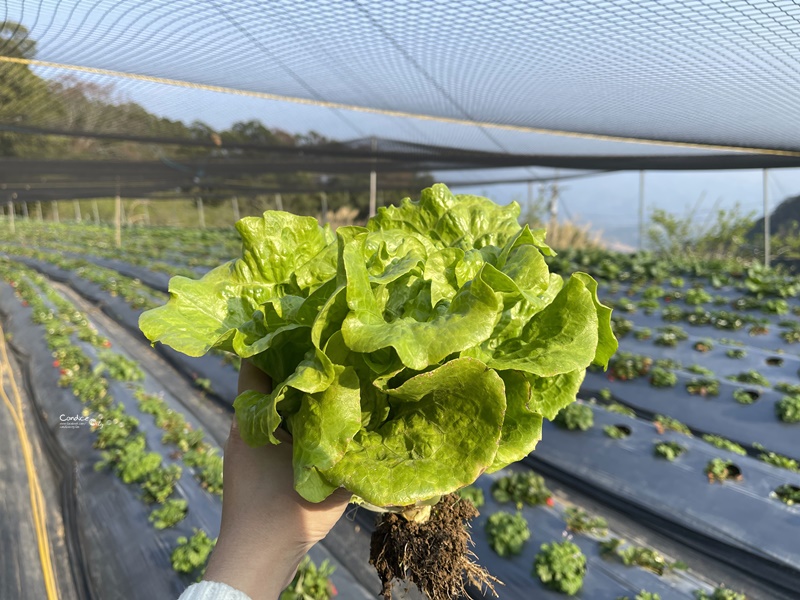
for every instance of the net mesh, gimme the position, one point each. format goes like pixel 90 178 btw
pixel 717 72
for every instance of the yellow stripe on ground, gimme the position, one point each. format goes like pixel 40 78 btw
pixel 36 496
pixel 392 113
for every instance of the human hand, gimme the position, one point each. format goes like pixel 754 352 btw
pixel 267 527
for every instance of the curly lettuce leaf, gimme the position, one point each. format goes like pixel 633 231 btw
pixel 442 433
pixel 207 313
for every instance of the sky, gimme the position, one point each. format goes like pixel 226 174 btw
pixel 638 60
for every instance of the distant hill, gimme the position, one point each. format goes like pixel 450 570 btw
pixel 784 219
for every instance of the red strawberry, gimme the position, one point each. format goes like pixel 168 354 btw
pixel 550 502
pixel 106 344
pixel 56 363
pixel 25 303
pixel 63 371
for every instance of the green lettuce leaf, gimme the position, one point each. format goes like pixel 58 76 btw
pixel 442 433
pixel 408 356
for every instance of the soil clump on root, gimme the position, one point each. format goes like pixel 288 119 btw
pixel 434 555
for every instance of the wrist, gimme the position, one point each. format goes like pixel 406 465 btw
pixel 259 572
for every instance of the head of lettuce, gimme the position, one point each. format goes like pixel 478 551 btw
pixel 408 356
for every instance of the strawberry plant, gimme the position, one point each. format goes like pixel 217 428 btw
pixel 777 460
pixel 310 582
pixel 575 417
pixel 119 367
pixel 752 377
pixel 160 483
pixel 191 554
pixel 743 396
pixel 621 326
pixel 697 296
pixel 788 388
pixel 736 353
pixel 672 314
pixel 670 335
pixel 704 345
pixel 653 292
pixel 579 521
pixel 169 514
pixel 662 378
pixel 788 494
pixel 639 556
pixel 703 386
pixel 521 488
pixel 760 330
pixel 643 333
pixel 720 593
pixel 473 494
pixel 507 533
pixel 625 366
pixel 719 470
pixel 700 370
pixel 561 566
pixel 788 409
pixel 669 450
pixel 617 432
pixel 663 423
pixel 620 409
pixel 723 444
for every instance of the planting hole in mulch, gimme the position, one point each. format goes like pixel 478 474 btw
pixel 434 555
pixel 774 361
pixel 624 430
pixel 734 472
pixel 754 394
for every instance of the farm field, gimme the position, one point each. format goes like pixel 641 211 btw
pixel 676 475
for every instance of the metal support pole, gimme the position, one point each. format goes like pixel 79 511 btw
pixel 118 221
pixel 11 216
pixel 77 206
pixel 56 218
pixel 25 210
pixel 95 212
pixel 765 177
pixel 278 202
pixel 201 213
pixel 39 211
pixel 323 197
pixel 147 212
pixel 641 210
pixel 373 184
pixel 235 204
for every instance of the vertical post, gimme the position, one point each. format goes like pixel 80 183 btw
pixel 77 206
pixel 373 183
pixel 25 210
pixel 95 212
pixel 147 212
pixel 56 218
pixel 123 216
pixel 553 205
pixel 323 197
pixel 11 217
pixel 278 202
pixel 765 177
pixel 235 204
pixel 118 220
pixel 39 211
pixel 641 210
pixel 201 212
pixel 530 198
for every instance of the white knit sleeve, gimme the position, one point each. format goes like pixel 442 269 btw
pixel 212 590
